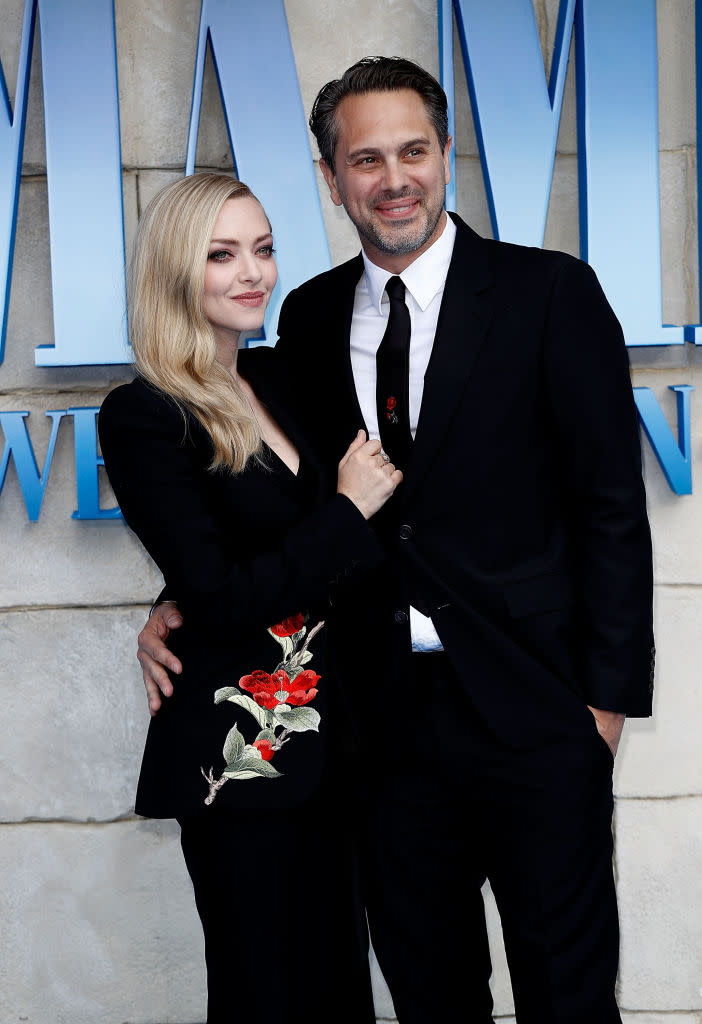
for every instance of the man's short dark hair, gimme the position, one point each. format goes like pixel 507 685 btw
pixel 375 74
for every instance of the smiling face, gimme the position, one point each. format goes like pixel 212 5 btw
pixel 240 273
pixel 390 175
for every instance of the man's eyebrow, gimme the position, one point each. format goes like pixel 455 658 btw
pixel 374 151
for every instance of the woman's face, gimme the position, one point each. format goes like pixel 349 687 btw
pixel 241 271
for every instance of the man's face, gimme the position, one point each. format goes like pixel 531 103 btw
pixel 390 175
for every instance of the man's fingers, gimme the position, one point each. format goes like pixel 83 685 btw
pixel 155 676
pixel 153 695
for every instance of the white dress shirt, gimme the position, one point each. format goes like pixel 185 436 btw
pixel 424 281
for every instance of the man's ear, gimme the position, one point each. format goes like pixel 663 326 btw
pixel 330 179
pixel 447 162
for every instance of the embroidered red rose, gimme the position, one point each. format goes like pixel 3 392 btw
pixel 266 748
pixel 264 687
pixel 391 403
pixel 293 624
pixel 303 688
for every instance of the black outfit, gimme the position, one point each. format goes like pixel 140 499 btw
pixel 269 855
pixel 521 529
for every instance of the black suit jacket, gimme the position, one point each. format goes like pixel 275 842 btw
pixel 242 553
pixel 521 524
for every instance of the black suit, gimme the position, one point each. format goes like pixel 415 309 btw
pixel 270 857
pixel 521 529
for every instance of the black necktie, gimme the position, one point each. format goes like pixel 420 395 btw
pixel 392 383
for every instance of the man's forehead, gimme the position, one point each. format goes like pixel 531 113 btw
pixel 382 116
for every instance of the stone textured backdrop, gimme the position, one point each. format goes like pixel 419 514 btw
pixel 98 923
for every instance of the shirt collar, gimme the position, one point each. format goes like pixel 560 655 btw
pixel 423 278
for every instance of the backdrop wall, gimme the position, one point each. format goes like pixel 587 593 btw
pixel 98 921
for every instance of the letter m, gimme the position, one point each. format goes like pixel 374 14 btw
pixel 79 73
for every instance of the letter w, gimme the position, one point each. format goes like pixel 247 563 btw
pixel 17 443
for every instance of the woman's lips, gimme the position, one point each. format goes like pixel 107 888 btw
pixel 249 298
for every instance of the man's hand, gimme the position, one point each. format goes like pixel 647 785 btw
pixel 153 653
pixel 609 725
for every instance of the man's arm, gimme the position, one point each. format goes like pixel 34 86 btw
pixel 596 429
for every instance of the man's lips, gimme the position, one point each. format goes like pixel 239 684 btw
pixel 249 298
pixel 398 209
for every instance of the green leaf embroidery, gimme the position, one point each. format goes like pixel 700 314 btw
pixel 266 734
pixel 297 719
pixel 249 768
pixel 250 705
pixel 224 693
pixel 233 745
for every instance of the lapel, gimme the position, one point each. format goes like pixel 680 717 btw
pixel 464 318
pixel 347 417
pixel 260 369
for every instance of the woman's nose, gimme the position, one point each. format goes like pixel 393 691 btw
pixel 249 269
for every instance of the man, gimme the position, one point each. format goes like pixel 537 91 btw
pixel 490 665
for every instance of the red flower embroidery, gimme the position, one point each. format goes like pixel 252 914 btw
pixel 264 687
pixel 266 748
pixel 293 624
pixel 304 688
pixel 391 403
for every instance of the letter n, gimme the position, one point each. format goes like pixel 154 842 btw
pixel 674 457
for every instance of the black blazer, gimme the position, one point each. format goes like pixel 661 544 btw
pixel 521 524
pixel 242 553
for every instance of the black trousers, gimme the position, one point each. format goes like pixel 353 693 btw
pixel 285 934
pixel 457 808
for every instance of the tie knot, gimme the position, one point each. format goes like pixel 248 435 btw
pixel 395 289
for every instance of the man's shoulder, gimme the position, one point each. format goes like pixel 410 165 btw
pixel 332 282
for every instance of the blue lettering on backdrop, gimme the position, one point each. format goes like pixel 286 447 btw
pixel 617 110
pixel 17 444
pixel 617 121
pixel 79 70
pixel 673 457
pixel 693 332
pixel 267 130
pixel 87 461
pixel 33 483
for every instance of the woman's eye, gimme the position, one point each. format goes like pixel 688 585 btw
pixel 219 256
pixel 266 250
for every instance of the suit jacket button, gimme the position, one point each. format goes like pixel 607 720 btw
pixel 405 531
pixel 400 617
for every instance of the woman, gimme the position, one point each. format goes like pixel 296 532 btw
pixel 216 481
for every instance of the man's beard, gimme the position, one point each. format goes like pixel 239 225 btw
pixel 394 241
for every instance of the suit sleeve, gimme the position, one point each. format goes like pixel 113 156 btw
pixel 157 471
pixel 596 427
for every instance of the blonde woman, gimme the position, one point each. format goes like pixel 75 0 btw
pixel 226 495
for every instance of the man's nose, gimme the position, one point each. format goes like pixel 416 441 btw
pixel 395 177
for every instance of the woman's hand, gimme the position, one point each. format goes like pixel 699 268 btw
pixel 366 476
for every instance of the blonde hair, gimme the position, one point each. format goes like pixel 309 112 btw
pixel 173 341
